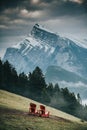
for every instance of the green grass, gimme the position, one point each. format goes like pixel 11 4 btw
pixel 14 116
pixel 16 120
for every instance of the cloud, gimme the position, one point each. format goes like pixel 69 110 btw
pixel 78 87
pixel 18 22
pixel 77 1
pixel 29 14
pixel 18 14
pixel 84 102
pixel 3 27
pixel 6 4
pixel 35 1
pixel 67 8
pixel 39 8
pixel 71 84
pixel 59 6
pixel 2 52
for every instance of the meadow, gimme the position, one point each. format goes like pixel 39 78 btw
pixel 14 116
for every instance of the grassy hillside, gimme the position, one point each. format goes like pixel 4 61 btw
pixel 14 116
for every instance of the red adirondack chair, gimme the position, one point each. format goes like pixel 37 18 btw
pixel 32 108
pixel 42 112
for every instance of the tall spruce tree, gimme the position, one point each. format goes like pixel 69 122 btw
pixel 1 73
pixel 37 81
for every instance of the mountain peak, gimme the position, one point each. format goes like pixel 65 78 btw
pixel 44 35
pixel 43 46
pixel 42 28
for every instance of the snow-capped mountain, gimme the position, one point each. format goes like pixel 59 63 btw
pixel 44 48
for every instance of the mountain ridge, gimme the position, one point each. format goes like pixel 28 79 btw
pixel 42 46
pixel 63 74
pixel 64 78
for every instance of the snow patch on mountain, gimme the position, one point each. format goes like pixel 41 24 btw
pixel 17 46
pixel 80 42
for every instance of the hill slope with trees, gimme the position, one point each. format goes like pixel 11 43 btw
pixel 34 86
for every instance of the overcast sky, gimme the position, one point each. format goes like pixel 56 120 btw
pixel 17 17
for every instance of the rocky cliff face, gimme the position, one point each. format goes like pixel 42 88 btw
pixel 44 48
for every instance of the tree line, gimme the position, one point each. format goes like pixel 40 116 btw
pixel 34 86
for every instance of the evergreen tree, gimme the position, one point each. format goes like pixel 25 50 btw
pixel 50 89
pixel 14 76
pixel 23 79
pixel 37 81
pixel 56 88
pixel 45 98
pixel 78 98
pixel 7 72
pixel 1 73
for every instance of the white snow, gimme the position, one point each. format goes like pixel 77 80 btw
pixel 84 102
pixel 36 42
pixel 79 42
pixel 18 46
pixel 52 49
pixel 32 41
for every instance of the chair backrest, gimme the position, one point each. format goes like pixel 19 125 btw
pixel 42 107
pixel 32 107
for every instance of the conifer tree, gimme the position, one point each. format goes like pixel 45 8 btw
pixel 37 81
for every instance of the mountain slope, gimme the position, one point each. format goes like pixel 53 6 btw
pixel 44 48
pixel 56 73
pixel 64 78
